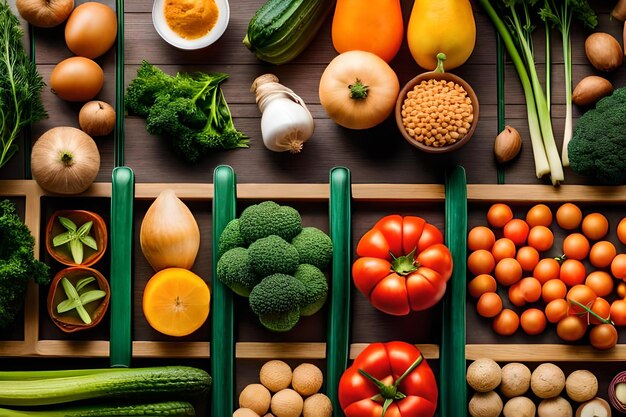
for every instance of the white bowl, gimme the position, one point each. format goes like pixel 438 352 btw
pixel 174 39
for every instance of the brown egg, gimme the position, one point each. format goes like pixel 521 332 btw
pixel 91 29
pixel 77 79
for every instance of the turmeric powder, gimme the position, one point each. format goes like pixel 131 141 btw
pixel 191 19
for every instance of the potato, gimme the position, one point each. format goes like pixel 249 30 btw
pixel 555 407
pixel 581 386
pixel 591 89
pixel 547 380
pixel 515 380
pixel 485 404
pixel 519 407
pixel 604 51
pixel 483 375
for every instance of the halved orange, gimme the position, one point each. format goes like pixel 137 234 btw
pixel 176 301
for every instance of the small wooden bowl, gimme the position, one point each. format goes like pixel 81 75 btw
pixel 436 76
pixel 62 253
pixel 70 322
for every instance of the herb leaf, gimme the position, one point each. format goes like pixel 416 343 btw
pixel 76 248
pixel 67 223
pixel 83 282
pixel 61 239
pixel 89 241
pixel 92 295
pixel 84 229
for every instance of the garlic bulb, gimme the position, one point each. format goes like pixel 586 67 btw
pixel 286 123
pixel 169 235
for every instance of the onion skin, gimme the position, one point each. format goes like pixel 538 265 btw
pixel 45 13
pixel 97 118
pixel 169 235
pixel 591 89
pixel 604 51
pixel 65 160
pixel 91 29
pixel 77 79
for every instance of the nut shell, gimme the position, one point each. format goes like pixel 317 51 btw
pixel 555 407
pixel 519 407
pixel 485 404
pixel 507 145
pixel 547 380
pixel 591 89
pixel 581 386
pixel 275 375
pixel 515 380
pixel 484 375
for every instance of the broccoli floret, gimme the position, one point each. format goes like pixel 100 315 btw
pixel 277 300
pixel 597 146
pixel 269 218
pixel 314 247
pixel 18 265
pixel 271 255
pixel 314 282
pixel 230 237
pixel 235 271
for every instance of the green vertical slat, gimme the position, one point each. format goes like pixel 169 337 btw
pixel 119 87
pixel 223 310
pixel 121 244
pixel 338 340
pixel 453 396
pixel 500 92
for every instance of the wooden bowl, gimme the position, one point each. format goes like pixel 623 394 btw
pixel 436 76
pixel 62 253
pixel 70 322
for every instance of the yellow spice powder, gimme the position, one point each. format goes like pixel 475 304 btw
pixel 191 19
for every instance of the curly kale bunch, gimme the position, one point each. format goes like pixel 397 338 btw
pixel 17 263
pixel 268 256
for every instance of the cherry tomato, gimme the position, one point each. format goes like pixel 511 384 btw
pixel 595 226
pixel 581 294
pixel 569 216
pixel 480 262
pixel 601 283
pixel 499 214
pixel 506 323
pixel 480 237
pixel 503 248
pixel 527 257
pixel 603 336
pixel 621 230
pixel 618 312
pixel 572 272
pixel 531 289
pixel 553 290
pixel 602 308
pixel 546 270
pixel 621 289
pixel 571 328
pixel 481 284
pixel 539 215
pixel 508 271
pixel 489 304
pixel 533 321
pixel 602 253
pixel 540 238
pixel 556 310
pixel 516 230
pixel 516 296
pixel 618 266
pixel 576 246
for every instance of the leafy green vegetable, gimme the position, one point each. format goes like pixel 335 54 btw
pixel 269 218
pixel 17 263
pixel 189 110
pixel 75 238
pixel 597 146
pixel 559 13
pixel 77 298
pixel 20 85
pixel 277 301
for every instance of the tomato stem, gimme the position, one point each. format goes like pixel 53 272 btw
pixel 560 259
pixel 404 265
pixel 358 90
pixel 593 313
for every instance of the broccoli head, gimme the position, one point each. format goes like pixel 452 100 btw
pixel 597 145
pixel 314 247
pixel 269 218
pixel 235 271
pixel 314 282
pixel 277 300
pixel 230 237
pixel 17 263
pixel 272 254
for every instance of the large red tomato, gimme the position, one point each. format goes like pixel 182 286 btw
pixel 403 265
pixel 388 380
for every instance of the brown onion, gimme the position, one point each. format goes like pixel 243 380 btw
pixel 97 118
pixel 45 13
pixel 604 51
pixel 65 160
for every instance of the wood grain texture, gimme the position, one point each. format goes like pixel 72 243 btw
pixel 543 353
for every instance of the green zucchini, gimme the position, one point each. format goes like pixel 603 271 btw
pixel 169 409
pixel 281 29
pixel 164 381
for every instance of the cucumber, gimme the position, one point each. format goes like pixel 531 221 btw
pixel 169 409
pixel 46 388
pixel 281 29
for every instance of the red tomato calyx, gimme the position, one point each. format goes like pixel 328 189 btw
pixel 589 312
pixel 389 393
pixel 405 264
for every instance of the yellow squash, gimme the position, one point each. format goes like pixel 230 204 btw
pixel 446 26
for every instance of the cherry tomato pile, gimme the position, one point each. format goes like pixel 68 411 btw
pixel 570 291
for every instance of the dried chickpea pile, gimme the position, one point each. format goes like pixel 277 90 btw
pixel 437 113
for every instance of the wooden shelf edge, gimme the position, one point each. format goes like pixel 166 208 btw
pixel 522 193
pixel 543 353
